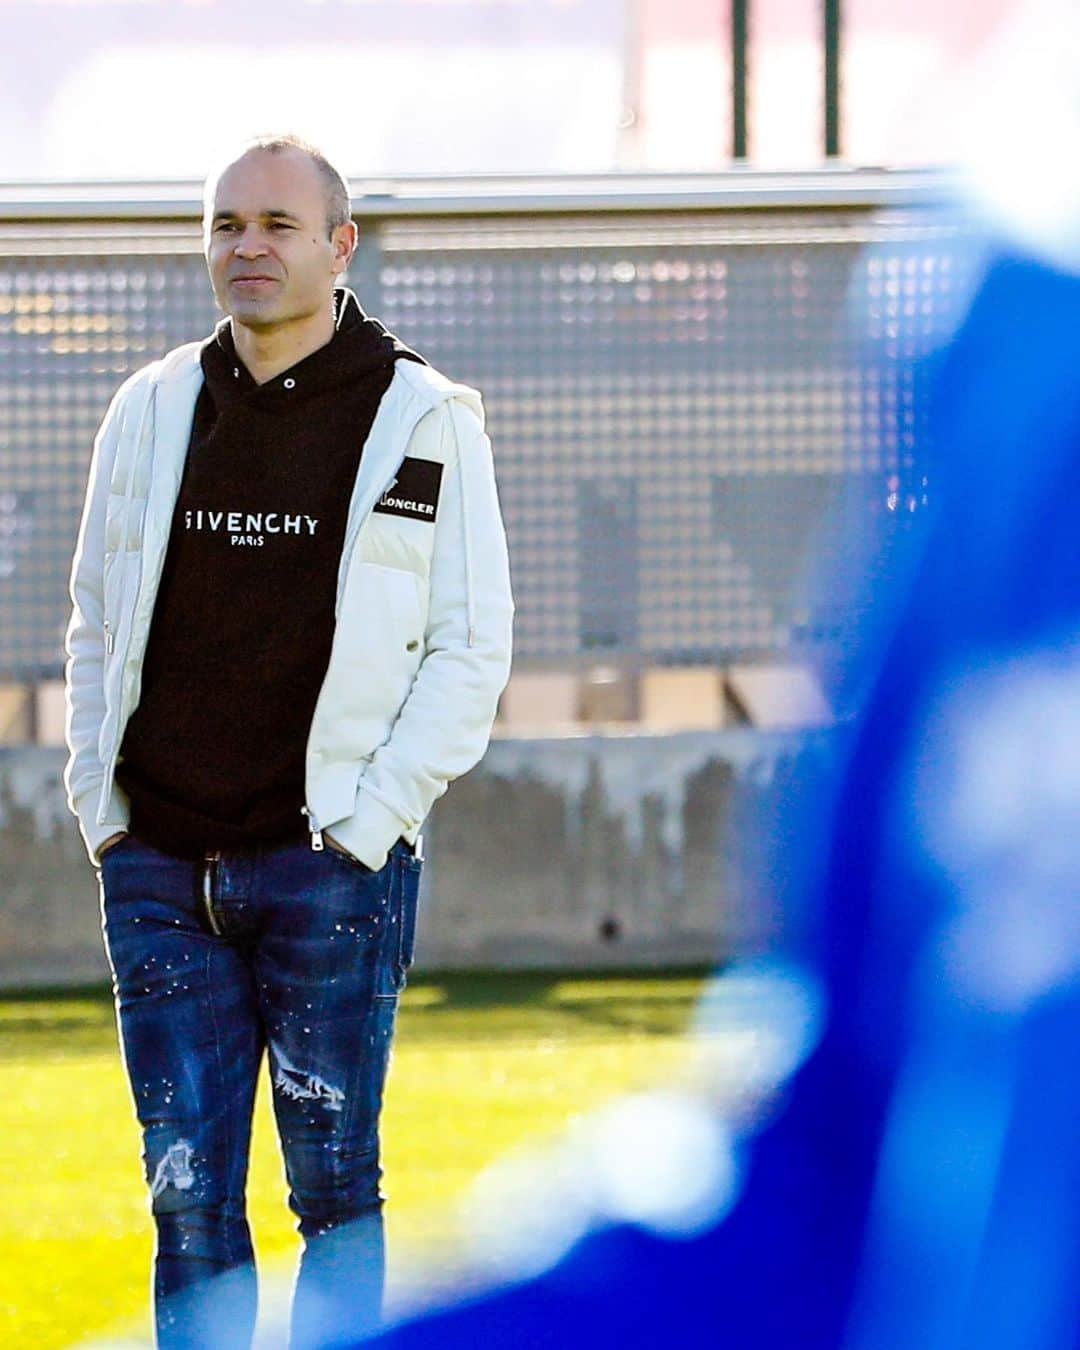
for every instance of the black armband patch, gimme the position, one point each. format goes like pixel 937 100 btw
pixel 415 493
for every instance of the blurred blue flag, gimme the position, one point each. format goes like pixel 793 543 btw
pixel 919 1184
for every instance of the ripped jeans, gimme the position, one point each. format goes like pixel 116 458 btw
pixel 298 952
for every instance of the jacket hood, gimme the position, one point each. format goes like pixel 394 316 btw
pixel 178 376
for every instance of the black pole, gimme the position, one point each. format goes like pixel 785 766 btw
pixel 740 26
pixel 832 78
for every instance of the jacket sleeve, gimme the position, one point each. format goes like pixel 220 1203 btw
pixel 445 723
pixel 85 645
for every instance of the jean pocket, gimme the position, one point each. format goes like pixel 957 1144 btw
pixel 397 954
pixel 122 845
pixel 410 897
pixel 336 850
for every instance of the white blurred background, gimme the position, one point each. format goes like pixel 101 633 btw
pixel 135 89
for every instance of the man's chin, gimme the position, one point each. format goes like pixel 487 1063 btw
pixel 258 315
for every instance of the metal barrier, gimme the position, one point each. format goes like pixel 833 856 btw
pixel 671 366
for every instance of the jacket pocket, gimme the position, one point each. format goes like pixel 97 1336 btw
pixel 381 629
pixel 110 599
pixel 377 650
pixel 120 574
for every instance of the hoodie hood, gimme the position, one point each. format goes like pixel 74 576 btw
pixel 359 346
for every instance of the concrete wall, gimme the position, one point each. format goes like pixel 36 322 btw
pixel 582 851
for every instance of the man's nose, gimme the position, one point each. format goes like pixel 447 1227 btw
pixel 250 244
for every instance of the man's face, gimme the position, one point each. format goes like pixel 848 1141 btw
pixel 270 256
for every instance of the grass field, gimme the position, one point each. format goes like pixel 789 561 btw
pixel 482 1063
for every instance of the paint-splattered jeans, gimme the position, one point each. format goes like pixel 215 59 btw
pixel 302 953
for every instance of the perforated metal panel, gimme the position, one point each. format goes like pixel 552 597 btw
pixel 71 329
pixel 674 401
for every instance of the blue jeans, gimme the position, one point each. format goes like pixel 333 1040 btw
pixel 303 954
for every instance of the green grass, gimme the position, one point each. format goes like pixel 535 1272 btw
pixel 481 1063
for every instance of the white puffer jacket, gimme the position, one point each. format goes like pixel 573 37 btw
pixel 424 613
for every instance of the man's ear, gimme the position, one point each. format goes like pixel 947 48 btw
pixel 344 240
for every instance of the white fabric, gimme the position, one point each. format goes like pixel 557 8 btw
pixel 422 644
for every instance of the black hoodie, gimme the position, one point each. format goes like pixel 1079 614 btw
pixel 213 756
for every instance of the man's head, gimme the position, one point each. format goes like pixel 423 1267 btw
pixel 277 232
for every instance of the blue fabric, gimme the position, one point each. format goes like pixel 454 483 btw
pixel 920 1184
pixel 302 953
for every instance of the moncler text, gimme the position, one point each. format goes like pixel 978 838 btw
pixel 413 508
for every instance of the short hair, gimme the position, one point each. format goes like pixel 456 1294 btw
pixel 338 207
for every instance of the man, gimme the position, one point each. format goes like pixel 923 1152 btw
pixel 292 622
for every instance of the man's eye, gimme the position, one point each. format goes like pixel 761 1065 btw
pixel 280 225
pixel 224 226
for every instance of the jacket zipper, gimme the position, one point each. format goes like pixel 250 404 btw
pixel 110 637
pixel 210 867
pixel 316 832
